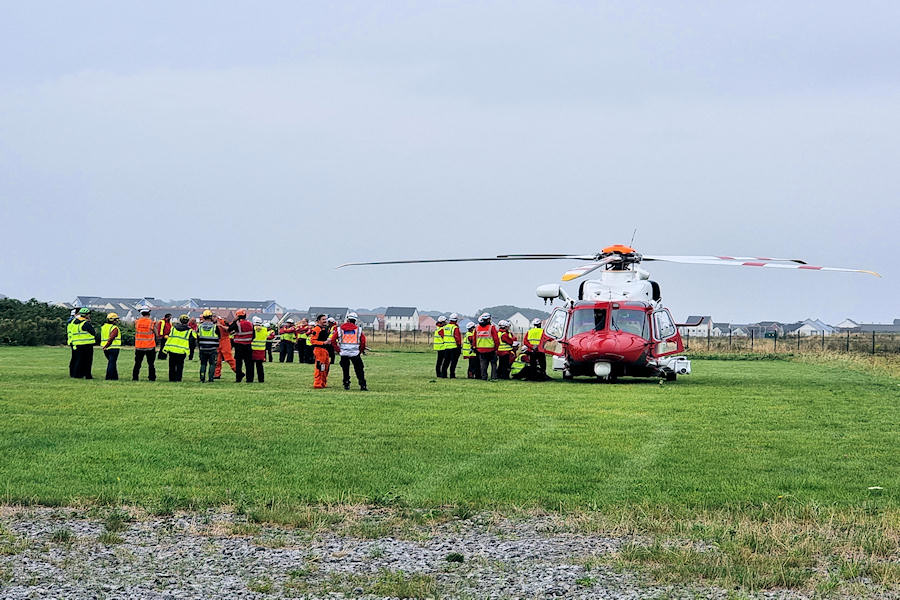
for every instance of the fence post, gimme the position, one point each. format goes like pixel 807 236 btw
pixel 798 340
pixel 385 335
pixel 775 343
pixel 708 332
pixel 873 341
pixel 848 340
pixel 751 340
pixel 823 340
pixel 729 339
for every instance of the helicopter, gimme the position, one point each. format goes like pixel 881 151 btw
pixel 617 326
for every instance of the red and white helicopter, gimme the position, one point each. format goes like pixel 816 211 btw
pixel 618 326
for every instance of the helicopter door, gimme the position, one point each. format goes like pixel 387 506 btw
pixel 665 335
pixel 554 331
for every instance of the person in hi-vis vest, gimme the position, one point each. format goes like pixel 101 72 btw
pixel 352 345
pixel 111 342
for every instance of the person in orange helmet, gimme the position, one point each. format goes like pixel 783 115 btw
pixel 243 340
pixel 224 353
pixel 320 339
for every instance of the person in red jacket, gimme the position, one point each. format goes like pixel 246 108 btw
pixel 506 352
pixel 320 340
pixel 288 335
pixel 243 338
pixel 352 345
pixel 487 341
pixel 162 334
pixel 192 323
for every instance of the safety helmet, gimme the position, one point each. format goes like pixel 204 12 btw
pixel 485 317
pixel 84 310
pixel 454 317
pixel 145 310
pixel 72 312
pixel 442 319
pixel 331 320
pixel 207 313
pixel 470 325
pixel 184 318
pixel 257 320
pixel 111 316
pixel 503 323
pixel 352 316
pixel 291 321
pixel 536 322
pixel 241 312
pixel 267 324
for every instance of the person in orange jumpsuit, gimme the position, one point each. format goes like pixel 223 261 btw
pixel 224 349
pixel 320 339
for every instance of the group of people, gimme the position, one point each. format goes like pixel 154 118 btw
pixel 243 344
pixel 487 346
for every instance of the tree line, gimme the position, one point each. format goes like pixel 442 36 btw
pixel 34 323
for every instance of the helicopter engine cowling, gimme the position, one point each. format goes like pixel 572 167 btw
pixel 619 285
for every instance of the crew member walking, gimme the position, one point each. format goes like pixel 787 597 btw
pixel 452 346
pixel 352 345
pixel 208 346
pixel 84 336
pixel 505 350
pixel 320 342
pixel 178 345
pixel 486 343
pixel 538 360
pixel 144 345
pixel 111 342
pixel 332 347
pixel 437 344
pixel 243 338
pixel 269 340
pixel 224 352
pixel 258 348
pixel 286 347
pixel 162 333
pixel 468 352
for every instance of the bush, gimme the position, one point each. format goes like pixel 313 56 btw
pixel 36 323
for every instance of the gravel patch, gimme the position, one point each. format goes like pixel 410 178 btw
pixel 55 553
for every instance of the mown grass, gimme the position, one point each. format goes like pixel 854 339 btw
pixel 753 474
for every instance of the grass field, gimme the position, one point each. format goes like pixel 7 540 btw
pixel 773 448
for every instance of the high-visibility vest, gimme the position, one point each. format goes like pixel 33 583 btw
pixel 80 337
pixel 437 342
pixel 467 350
pixel 105 330
pixel 289 336
pixel 143 334
pixel 534 336
pixel 70 331
pixel 349 341
pixel 208 335
pixel 161 325
pixel 449 338
pixel 504 346
pixel 244 333
pixel 260 335
pixel 303 334
pixel 178 341
pixel 517 365
pixel 484 337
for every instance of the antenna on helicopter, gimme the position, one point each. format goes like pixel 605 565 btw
pixel 631 243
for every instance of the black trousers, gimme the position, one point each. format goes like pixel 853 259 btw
pixel 176 366
pixel 286 349
pixel 504 365
pixel 112 369
pixel 162 344
pixel 72 361
pixel 139 355
pixel 358 367
pixel 439 369
pixel 192 345
pixel 243 357
pixel 538 361
pixel 302 351
pixel 451 357
pixel 208 364
pixel 269 351
pixel 260 373
pixel 474 371
pixel 485 360
pixel 84 359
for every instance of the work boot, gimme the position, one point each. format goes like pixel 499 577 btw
pixel 346 386
pixel 363 388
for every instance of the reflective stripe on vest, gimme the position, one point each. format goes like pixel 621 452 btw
pixel 80 337
pixel 260 335
pixel 70 331
pixel 289 336
pixel 467 350
pixel 143 334
pixel 437 343
pixel 105 330
pixel 349 341
pixel 449 338
pixel 207 335
pixel 534 336
pixel 178 343
pixel 504 346
pixel 244 333
pixel 517 365
pixel 484 337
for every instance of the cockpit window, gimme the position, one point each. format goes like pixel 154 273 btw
pixel 588 319
pixel 630 321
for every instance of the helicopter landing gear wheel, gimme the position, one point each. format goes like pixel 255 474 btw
pixel 567 375
pixel 671 376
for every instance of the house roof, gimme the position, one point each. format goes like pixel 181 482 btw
pixel 704 320
pixel 331 311
pixel 722 326
pixel 234 304
pixel 400 311
pixel 879 328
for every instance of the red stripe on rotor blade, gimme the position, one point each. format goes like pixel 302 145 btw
pixel 762 258
pixel 810 267
pixel 725 257
pixel 754 264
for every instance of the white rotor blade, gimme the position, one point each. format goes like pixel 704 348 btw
pixel 741 262
pixel 491 258
pixel 715 259
pixel 585 269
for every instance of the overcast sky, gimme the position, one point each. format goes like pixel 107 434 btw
pixel 243 150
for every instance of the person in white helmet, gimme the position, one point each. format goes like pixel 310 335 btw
pixel 468 352
pixel 352 345
pixel 537 359
pixel 486 342
pixel 452 346
pixel 506 352
pixel 437 344
pixel 258 350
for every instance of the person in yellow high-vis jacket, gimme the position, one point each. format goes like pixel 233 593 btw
pixel 111 342
pixel 177 346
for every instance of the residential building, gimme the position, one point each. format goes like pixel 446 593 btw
pixel 338 312
pixel 427 323
pixel 519 323
pixel 812 327
pixel 401 318
pixel 697 326
pixel 254 306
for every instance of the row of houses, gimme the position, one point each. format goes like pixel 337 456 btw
pixel 704 326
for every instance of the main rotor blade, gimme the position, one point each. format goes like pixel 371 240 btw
pixel 492 258
pixel 715 259
pixel 585 269
pixel 547 256
pixel 743 262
